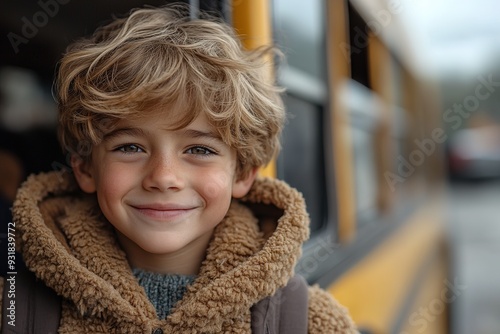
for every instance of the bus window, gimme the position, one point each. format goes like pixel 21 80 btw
pixel 301 161
pixel 300 34
pixel 364 174
pixel 364 116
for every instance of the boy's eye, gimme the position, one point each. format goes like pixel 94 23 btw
pixel 199 150
pixel 129 148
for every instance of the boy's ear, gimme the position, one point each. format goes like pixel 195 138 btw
pixel 83 174
pixel 242 186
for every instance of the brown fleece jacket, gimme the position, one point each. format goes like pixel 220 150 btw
pixel 67 243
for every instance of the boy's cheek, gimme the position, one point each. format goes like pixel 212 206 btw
pixel 113 181
pixel 218 183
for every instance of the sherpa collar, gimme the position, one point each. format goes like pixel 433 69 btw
pixel 71 247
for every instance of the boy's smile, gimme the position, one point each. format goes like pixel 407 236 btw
pixel 163 190
pixel 164 211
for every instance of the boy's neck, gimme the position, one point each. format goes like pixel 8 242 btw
pixel 186 261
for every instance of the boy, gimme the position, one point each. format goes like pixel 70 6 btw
pixel 166 120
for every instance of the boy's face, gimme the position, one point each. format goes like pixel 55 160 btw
pixel 163 190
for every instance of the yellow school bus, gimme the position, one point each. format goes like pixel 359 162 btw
pixel 362 144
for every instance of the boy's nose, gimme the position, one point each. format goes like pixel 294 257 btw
pixel 163 173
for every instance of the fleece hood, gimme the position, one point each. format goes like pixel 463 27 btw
pixel 67 243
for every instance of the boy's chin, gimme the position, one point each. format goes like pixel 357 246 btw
pixel 166 253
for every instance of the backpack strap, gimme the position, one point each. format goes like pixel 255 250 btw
pixel 29 306
pixel 284 312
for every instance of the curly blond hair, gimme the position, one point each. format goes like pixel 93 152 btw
pixel 158 57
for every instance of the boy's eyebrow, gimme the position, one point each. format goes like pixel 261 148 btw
pixel 200 134
pixel 135 132
pixel 138 132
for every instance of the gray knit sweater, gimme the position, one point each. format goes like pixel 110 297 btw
pixel 163 290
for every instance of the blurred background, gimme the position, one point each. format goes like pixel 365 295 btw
pixel 394 140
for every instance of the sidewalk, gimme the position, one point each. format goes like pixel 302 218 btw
pixel 474 227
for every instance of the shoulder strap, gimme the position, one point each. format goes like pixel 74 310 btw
pixel 29 306
pixel 284 312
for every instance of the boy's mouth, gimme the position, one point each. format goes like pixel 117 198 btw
pixel 164 207
pixel 163 211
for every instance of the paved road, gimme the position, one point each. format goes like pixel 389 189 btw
pixel 474 226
